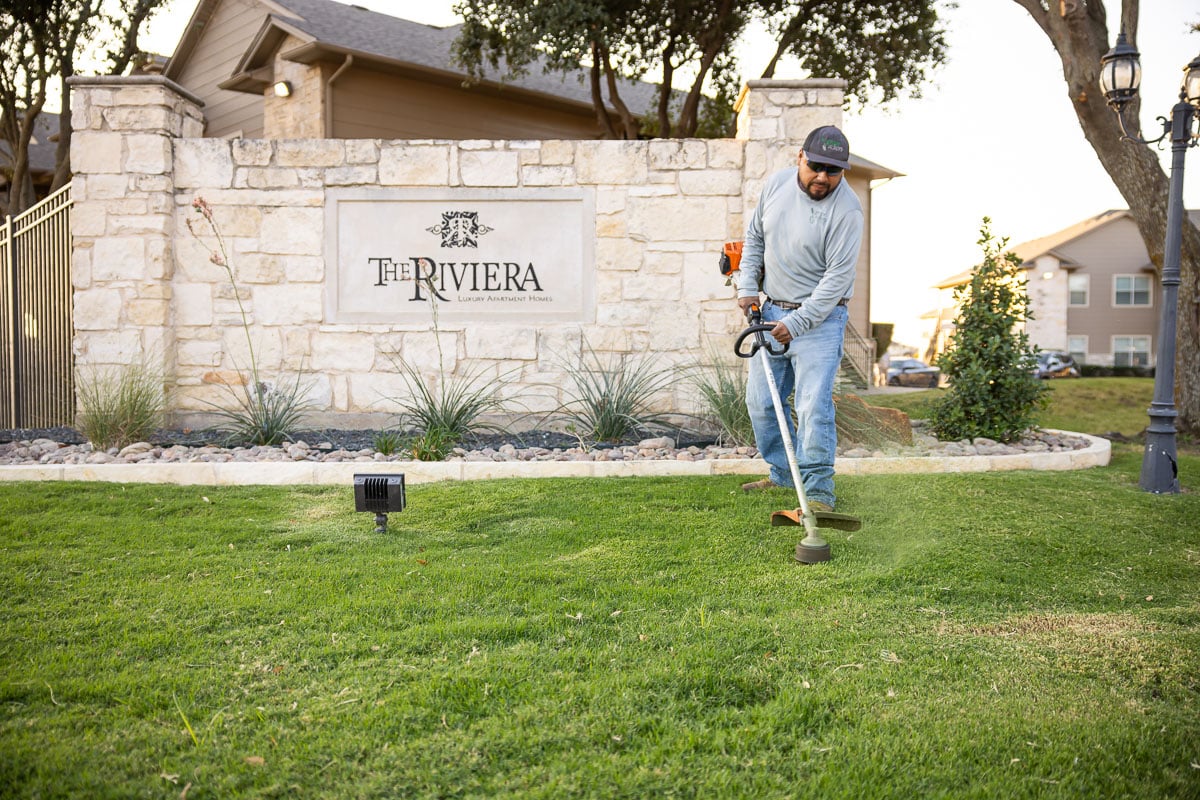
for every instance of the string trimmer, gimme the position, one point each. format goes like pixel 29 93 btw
pixel 812 549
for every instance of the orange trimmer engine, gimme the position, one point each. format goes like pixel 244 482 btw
pixel 731 259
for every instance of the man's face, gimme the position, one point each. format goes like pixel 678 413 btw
pixel 817 183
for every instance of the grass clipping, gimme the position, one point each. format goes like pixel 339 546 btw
pixel 870 426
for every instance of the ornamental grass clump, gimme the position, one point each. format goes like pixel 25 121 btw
pixel 264 413
pixel 721 384
pixel 611 400
pixel 118 407
pixel 993 392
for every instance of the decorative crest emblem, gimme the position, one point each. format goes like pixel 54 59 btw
pixel 460 229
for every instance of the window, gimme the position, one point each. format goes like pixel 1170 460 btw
pixel 1077 347
pixel 1131 290
pixel 1077 286
pixel 1131 351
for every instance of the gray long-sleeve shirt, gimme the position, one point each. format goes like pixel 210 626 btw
pixel 808 248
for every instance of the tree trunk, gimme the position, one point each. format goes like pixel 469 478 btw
pixel 1079 32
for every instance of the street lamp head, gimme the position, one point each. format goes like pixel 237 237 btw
pixel 1120 73
pixel 1191 82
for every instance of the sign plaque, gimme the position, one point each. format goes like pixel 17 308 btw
pixel 490 255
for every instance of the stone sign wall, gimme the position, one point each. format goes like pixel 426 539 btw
pixel 629 234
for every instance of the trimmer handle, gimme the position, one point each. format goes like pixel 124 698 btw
pixel 757 329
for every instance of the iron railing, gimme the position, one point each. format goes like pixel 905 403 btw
pixel 858 356
pixel 37 386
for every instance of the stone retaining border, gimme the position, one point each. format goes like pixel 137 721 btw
pixel 1096 454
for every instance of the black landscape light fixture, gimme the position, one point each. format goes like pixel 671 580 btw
pixel 1120 76
pixel 379 494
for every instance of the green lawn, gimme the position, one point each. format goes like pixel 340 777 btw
pixel 1086 405
pixel 1028 635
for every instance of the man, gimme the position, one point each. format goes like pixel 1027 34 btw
pixel 800 251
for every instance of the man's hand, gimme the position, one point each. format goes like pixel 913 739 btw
pixel 744 303
pixel 781 333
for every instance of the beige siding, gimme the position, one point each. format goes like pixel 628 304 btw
pixel 860 305
pixel 374 105
pixel 225 39
pixel 1114 249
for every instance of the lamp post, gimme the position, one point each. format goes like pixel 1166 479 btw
pixel 1120 75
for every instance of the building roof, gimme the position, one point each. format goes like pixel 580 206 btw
pixel 43 146
pixel 332 31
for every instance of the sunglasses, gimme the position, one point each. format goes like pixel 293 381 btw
pixel 828 169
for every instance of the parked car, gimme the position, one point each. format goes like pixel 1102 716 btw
pixel 912 372
pixel 1052 364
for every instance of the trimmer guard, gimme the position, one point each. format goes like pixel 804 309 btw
pixel 825 519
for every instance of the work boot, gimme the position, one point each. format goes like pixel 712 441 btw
pixel 817 506
pixel 760 486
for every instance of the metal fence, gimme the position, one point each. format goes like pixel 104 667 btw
pixel 37 387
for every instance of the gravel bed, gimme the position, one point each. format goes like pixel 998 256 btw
pixel 68 446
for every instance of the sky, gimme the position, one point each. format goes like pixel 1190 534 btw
pixel 994 135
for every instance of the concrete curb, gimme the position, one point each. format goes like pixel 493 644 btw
pixel 279 473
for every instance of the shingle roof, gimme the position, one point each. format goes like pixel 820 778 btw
pixel 338 28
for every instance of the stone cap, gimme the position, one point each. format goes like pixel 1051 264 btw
pixel 117 81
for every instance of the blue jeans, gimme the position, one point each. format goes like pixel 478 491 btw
pixel 808 369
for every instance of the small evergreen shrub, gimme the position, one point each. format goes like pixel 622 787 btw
pixel 990 362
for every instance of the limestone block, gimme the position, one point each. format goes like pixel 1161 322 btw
pixel 711 181
pixel 343 352
pixel 611 225
pixel 157 184
pixel 97 309
pixel 608 287
pixel 676 154
pixel 94 152
pixel 764 129
pixel 289 304
pixel 612 162
pixel 298 231
pixel 501 341
pixel 489 168
pixel 669 263
pixel 194 260
pixel 147 153
pixel 141 96
pixel 797 123
pixel 151 119
pixel 260 268
pixel 297 345
pixel 88 218
pixel 376 391
pixel 251 152
pixel 81 267
pixel 192 126
pixel 232 221
pixel 701 281
pixel 258 198
pixel 107 187
pixel 618 254
pixel 142 312
pixel 265 178
pixel 431 352
pixel 119 258
pixel 362 151
pixel 676 218
pixel 304 269
pixel 193 304
pixel 726 154
pixel 611 201
pixel 650 286
pixel 110 347
pixel 120 225
pixel 547 176
pixel 557 153
pixel 414 165
pixel 352 176
pixel 268 351
pixel 203 164
pixel 310 153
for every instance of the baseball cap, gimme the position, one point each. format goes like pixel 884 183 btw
pixel 828 145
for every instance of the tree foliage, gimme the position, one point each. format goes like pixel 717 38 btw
pixel 882 49
pixel 993 392
pixel 41 43
pixel 1078 30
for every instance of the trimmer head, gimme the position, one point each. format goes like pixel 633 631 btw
pixel 824 519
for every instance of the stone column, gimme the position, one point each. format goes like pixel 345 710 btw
pixel 775 116
pixel 122 156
